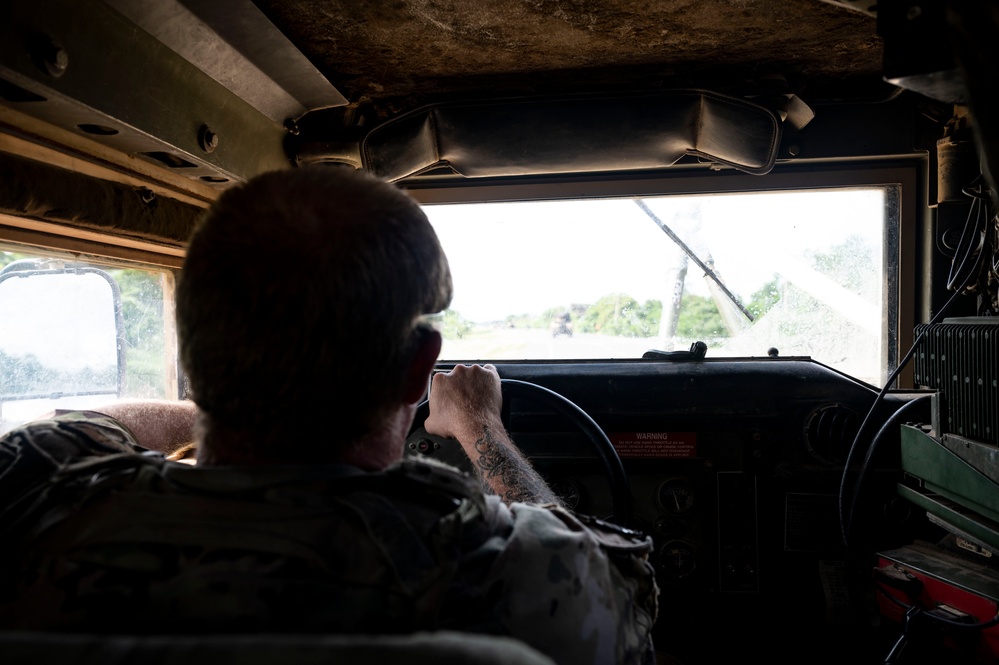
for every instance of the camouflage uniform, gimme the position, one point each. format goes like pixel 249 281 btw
pixel 118 540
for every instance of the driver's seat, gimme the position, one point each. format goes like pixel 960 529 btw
pixel 426 648
pixel 161 563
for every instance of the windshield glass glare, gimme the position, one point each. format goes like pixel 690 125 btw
pixel 801 272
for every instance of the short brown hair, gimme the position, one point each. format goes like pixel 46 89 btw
pixel 298 307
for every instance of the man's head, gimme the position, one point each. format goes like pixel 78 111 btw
pixel 298 311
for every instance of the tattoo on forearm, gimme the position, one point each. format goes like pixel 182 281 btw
pixel 508 473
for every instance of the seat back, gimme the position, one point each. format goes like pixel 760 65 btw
pixel 426 648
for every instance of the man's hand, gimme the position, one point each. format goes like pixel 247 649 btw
pixel 465 401
pixel 465 405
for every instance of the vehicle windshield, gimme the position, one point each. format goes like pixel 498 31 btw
pixel 799 272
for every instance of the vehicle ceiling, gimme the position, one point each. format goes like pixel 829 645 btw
pixel 413 90
pixel 400 55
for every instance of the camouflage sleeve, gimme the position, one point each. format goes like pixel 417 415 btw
pixel 579 592
pixel 30 454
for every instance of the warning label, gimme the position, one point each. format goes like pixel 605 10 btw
pixel 655 444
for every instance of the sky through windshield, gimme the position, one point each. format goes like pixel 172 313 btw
pixel 523 258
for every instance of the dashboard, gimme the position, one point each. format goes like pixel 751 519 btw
pixel 733 466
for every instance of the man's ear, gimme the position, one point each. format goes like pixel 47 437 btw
pixel 428 347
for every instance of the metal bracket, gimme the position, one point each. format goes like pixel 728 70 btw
pixel 82 66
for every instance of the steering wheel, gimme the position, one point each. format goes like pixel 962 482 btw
pixel 419 441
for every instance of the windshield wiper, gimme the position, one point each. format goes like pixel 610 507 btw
pixel 689 252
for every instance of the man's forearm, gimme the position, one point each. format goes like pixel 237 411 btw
pixel 465 404
pixel 162 425
pixel 504 470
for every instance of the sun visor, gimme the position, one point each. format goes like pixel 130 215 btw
pixel 534 137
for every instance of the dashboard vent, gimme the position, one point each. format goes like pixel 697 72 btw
pixel 829 432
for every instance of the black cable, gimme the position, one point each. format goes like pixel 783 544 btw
pixel 974 188
pixel 870 412
pixel 976 195
pixel 984 625
pixel 969 254
pixel 941 247
pixel 889 424
pixel 972 228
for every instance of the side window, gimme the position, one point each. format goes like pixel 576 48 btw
pixel 76 334
pixel 149 335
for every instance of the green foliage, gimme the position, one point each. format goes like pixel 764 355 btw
pixel 547 317
pixel 145 348
pixel 6 258
pixel 25 375
pixel 620 314
pixel 523 321
pixel 699 318
pixel 454 325
pixel 22 375
pixel 142 307
pixel 850 264
pixel 765 297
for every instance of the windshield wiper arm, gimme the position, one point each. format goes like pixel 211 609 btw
pixel 689 252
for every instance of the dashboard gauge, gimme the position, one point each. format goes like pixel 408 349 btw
pixel 677 560
pixel 676 496
pixel 568 492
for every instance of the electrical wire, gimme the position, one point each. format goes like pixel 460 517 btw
pixel 889 424
pixel 844 525
pixel 984 625
pixel 968 253
pixel 966 261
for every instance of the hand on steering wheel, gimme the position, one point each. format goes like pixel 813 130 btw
pixel 420 442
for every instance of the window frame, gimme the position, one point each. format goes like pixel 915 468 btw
pixel 901 285
pixel 903 288
pixel 110 256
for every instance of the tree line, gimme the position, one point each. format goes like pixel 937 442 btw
pixel 848 264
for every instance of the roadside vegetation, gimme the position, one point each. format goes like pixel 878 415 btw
pixel 619 314
pixel 142 306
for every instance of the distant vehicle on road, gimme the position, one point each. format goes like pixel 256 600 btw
pixel 562 325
